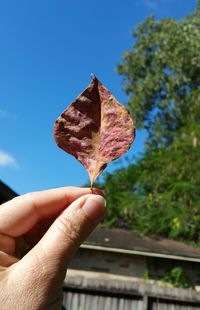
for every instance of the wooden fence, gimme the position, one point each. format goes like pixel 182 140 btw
pixel 95 291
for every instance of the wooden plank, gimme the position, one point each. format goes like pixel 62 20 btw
pixel 102 283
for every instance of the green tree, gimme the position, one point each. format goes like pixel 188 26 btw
pixel 160 193
pixel 176 277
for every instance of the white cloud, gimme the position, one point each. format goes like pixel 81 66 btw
pixel 3 113
pixel 157 5
pixel 152 4
pixel 7 160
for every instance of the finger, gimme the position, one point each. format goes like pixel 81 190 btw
pixel 7 260
pixel 7 244
pixel 36 233
pixel 54 251
pixel 20 214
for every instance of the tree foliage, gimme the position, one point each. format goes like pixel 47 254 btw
pixel 160 193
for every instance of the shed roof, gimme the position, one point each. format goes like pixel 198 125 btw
pixel 127 241
pixel 6 193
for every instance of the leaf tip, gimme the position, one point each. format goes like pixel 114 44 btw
pixel 93 76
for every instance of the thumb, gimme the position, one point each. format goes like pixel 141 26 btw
pixel 54 251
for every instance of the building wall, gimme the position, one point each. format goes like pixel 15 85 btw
pixel 133 265
pixel 115 263
pixel 159 267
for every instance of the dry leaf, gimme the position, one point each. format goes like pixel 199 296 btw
pixel 95 128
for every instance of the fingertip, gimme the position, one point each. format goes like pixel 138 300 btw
pixel 98 191
pixel 94 207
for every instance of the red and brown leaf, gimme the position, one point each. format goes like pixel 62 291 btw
pixel 95 128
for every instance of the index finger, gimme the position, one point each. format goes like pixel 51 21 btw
pixel 22 213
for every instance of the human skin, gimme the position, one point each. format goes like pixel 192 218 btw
pixel 39 234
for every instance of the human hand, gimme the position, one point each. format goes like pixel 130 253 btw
pixel 51 224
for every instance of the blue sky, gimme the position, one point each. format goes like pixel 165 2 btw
pixel 48 48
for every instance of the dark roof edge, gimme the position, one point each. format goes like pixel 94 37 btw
pixel 6 191
pixel 90 246
pixel 127 241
